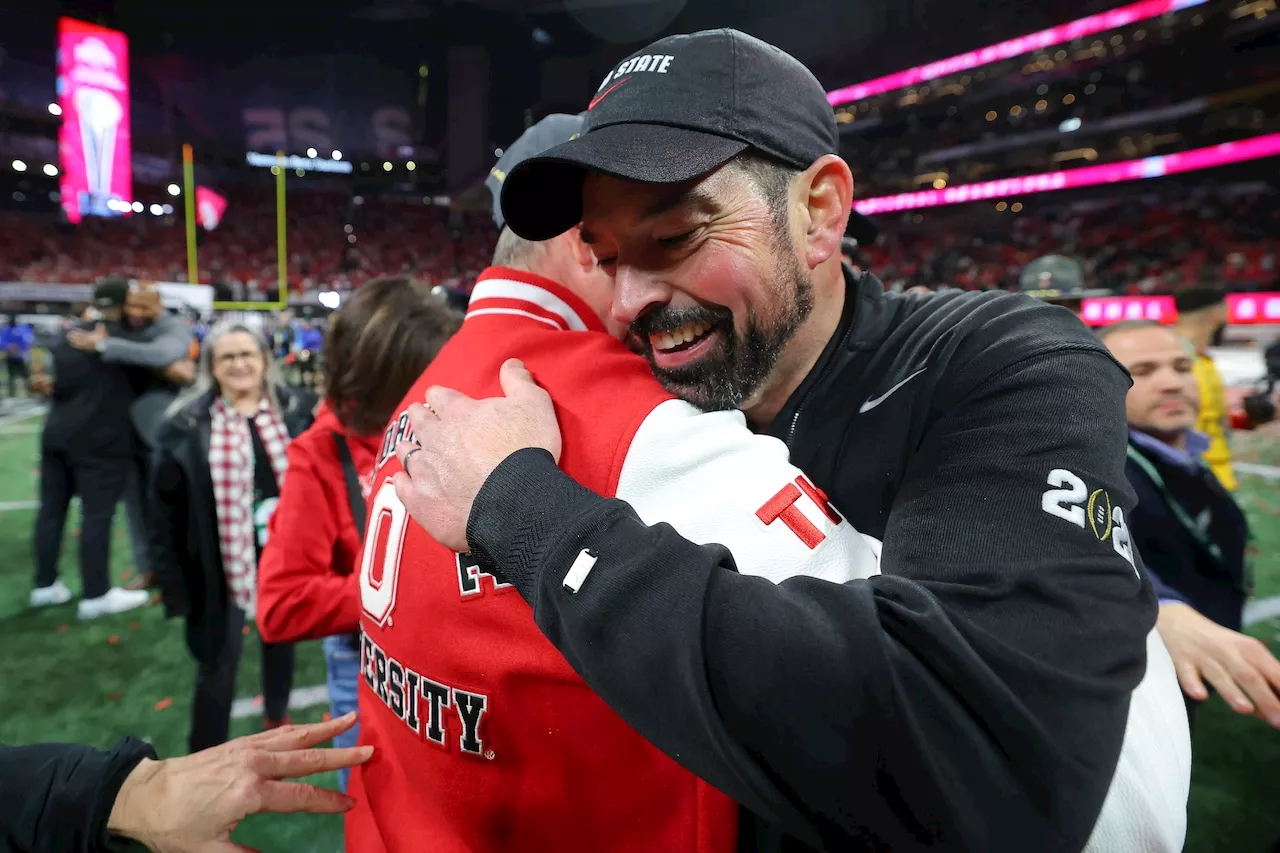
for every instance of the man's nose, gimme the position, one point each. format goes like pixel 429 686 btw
pixel 634 292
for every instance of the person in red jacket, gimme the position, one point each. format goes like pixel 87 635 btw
pixel 379 342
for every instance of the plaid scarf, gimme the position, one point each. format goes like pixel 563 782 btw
pixel 231 468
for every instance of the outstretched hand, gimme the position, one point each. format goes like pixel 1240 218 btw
pixel 459 441
pixel 192 804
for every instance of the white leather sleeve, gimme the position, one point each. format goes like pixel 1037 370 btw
pixel 713 480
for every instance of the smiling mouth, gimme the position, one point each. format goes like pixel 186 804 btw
pixel 679 339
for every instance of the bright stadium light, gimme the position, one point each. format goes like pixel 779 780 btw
pixel 19 166
pixel 1070 125
pixel 156 210
pixel 55 110
pixel 51 170
pixel 337 155
pixel 411 165
pixel 329 299
pixel 137 207
pixel 174 189
pixel 311 152
pixel 386 166
pixel 166 209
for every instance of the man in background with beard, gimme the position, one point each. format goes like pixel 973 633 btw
pixel 1000 685
pixel 155 348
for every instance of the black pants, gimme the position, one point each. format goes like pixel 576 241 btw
pixel 216 685
pixel 99 481
pixel 18 374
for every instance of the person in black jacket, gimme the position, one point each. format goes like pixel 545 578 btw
pixel 219 464
pixel 1190 531
pixel 85 450
pixel 66 798
pixel 1000 686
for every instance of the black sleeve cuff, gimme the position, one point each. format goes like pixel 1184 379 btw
pixel 525 507
pixel 127 754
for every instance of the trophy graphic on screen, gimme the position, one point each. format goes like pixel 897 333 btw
pixel 100 115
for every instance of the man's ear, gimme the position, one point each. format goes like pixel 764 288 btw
pixel 581 251
pixel 826 189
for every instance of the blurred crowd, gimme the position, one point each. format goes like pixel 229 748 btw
pixel 337 242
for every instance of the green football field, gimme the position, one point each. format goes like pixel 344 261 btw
pixel 61 680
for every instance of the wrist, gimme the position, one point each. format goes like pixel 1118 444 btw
pixel 128 818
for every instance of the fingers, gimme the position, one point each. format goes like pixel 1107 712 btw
pixel 516 379
pixel 1226 686
pixel 1189 678
pixel 303 736
pixel 1260 678
pixel 445 402
pixel 289 797
pixel 297 763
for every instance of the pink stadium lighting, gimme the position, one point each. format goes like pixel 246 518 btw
pixel 1109 173
pixel 1101 22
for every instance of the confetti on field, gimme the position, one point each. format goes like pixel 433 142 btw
pixel 245 630
pixel 62 629
pixel 133 626
pixel 112 640
pixel 114 696
pixel 164 703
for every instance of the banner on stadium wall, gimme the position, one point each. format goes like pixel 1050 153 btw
pixel 22 291
pixel 1243 309
pixel 186 297
pixel 209 208
pixel 1115 309
pixel 1248 309
pixel 94 142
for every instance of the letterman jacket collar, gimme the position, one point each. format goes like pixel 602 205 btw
pixel 511 292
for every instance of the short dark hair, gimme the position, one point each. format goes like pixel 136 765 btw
pixel 378 344
pixel 772 178
pixel 1104 332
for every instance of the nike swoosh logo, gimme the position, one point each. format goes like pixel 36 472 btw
pixel 600 97
pixel 875 401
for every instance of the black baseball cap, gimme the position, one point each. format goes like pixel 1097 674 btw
pixel 680 108
pixel 548 133
pixel 111 292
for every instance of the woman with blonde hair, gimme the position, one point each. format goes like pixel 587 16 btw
pixel 219 466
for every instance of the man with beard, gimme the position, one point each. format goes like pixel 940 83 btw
pixel 1190 532
pixel 489 740
pixel 987 690
pixel 155 348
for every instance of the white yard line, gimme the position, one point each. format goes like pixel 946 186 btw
pixel 299 698
pixel 1269 472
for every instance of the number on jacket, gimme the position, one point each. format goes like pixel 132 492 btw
pixel 380 563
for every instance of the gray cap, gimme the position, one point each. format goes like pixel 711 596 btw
pixel 553 130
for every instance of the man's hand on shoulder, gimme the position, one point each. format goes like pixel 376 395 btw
pixel 458 443
pixel 181 372
pixel 87 341
pixel 1238 666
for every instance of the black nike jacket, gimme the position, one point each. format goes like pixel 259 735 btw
pixel 974 696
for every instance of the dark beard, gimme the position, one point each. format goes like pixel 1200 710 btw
pixel 726 377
